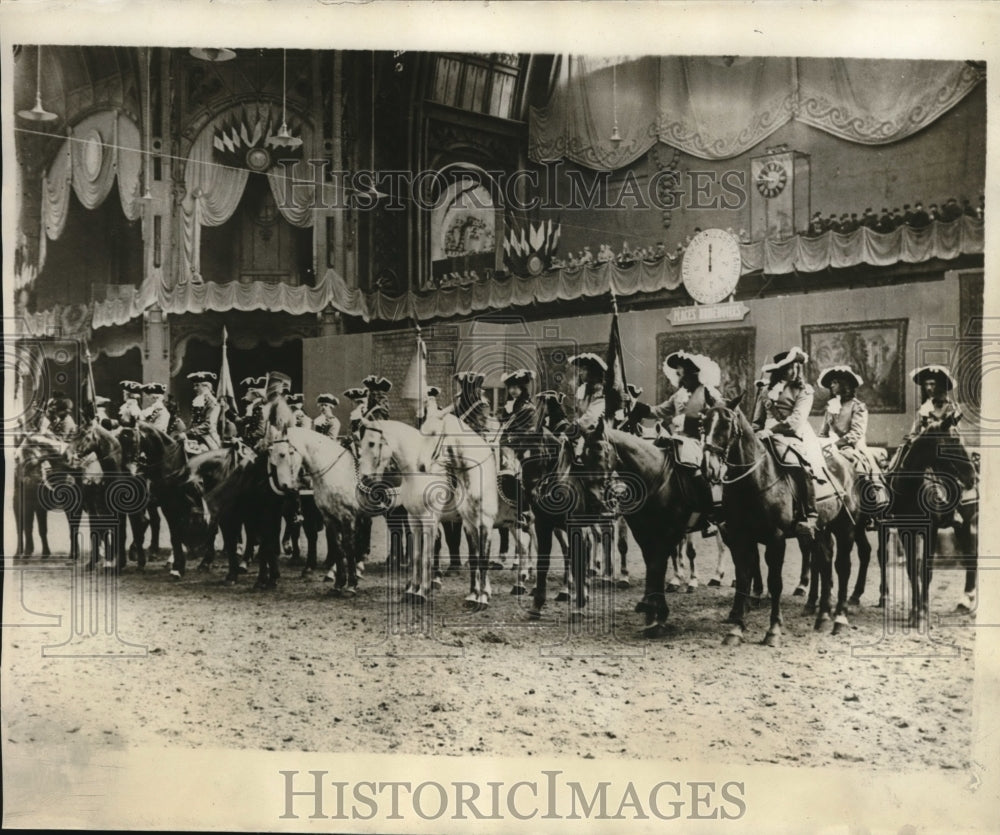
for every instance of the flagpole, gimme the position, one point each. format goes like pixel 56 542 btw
pixel 626 405
pixel 420 359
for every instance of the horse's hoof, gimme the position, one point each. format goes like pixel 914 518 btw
pixel 732 639
pixel 418 598
pixel 714 583
pixel 518 590
pixel 329 577
pixel 966 605
pixel 243 568
pixel 483 603
pixel 350 591
pixel 854 601
pixel 436 584
pixel 562 597
pixel 496 566
pixel 809 609
pixel 881 603
pixel 175 576
pixel 691 586
pixel 800 591
pixel 654 630
pixel 821 622
pixel 840 624
pixel 623 583
pixel 672 587
pixel 772 639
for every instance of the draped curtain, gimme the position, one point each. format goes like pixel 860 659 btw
pixel 103 147
pixel 213 190
pixel 719 108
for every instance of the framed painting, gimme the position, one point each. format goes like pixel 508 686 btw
pixel 876 350
pixel 731 348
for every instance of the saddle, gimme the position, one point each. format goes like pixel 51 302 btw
pixel 687 451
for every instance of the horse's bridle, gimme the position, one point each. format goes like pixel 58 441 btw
pixel 749 469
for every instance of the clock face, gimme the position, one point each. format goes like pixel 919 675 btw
pixel 771 179
pixel 712 265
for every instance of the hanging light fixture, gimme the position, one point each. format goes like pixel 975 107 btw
pixel 38 113
pixel 284 138
pixel 371 190
pixel 147 118
pixel 215 55
pixel 615 135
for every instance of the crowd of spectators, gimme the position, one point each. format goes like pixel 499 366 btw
pixel 916 217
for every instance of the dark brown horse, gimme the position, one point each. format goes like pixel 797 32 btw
pixel 118 495
pixel 758 507
pixel 933 485
pixel 163 461
pixel 657 499
pixel 43 479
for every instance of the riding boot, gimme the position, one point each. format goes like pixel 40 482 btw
pixel 704 492
pixel 807 491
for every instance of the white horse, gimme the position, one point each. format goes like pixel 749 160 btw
pixel 331 468
pixel 471 464
pixel 423 492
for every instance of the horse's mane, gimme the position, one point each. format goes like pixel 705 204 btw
pixel 640 451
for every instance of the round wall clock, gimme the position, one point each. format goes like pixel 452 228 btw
pixel 771 179
pixel 712 265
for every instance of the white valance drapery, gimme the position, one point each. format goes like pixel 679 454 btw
pixel 718 108
pixel 101 148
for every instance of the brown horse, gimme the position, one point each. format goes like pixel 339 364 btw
pixel 930 480
pixel 655 497
pixel 758 507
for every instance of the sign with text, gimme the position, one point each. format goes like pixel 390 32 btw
pixel 701 313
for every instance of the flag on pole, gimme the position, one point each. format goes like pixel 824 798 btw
pixel 225 391
pixel 614 376
pixel 88 401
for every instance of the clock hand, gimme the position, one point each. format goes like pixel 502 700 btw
pixel 710 258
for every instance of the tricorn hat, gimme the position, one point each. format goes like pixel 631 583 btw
pixel 522 377
pixel 708 371
pixel 356 393
pixel 938 372
pixel 551 394
pixel 254 382
pixel 593 364
pixel 130 386
pixel 154 388
pixel 101 401
pixel 470 378
pixel 327 399
pixel 202 377
pixel 433 391
pixel 634 391
pixel 789 357
pixel 296 399
pixel 844 372
pixel 277 383
pixel 373 383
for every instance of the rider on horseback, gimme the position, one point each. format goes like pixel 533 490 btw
pixel 377 405
pixel 326 422
pixel 682 414
pixel 938 416
pixel 57 420
pixel 155 413
pixel 359 397
pixel 301 419
pixel 624 418
pixel 782 414
pixel 130 410
pixel 101 416
pixel 205 410
pixel 250 425
pixel 518 415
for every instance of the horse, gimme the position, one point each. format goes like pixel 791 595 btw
pixel 220 475
pixel 657 503
pixel 758 506
pixel 512 520
pixel 471 467
pixel 331 469
pixel 96 441
pixel 163 461
pixel 40 477
pixel 424 491
pixel 925 480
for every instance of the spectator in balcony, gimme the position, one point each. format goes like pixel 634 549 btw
pixel 816 226
pixel 868 219
pixel 967 208
pixel 950 211
pixel 933 212
pixel 919 218
pixel 907 215
pixel 884 222
pixel 849 224
pixel 897 218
